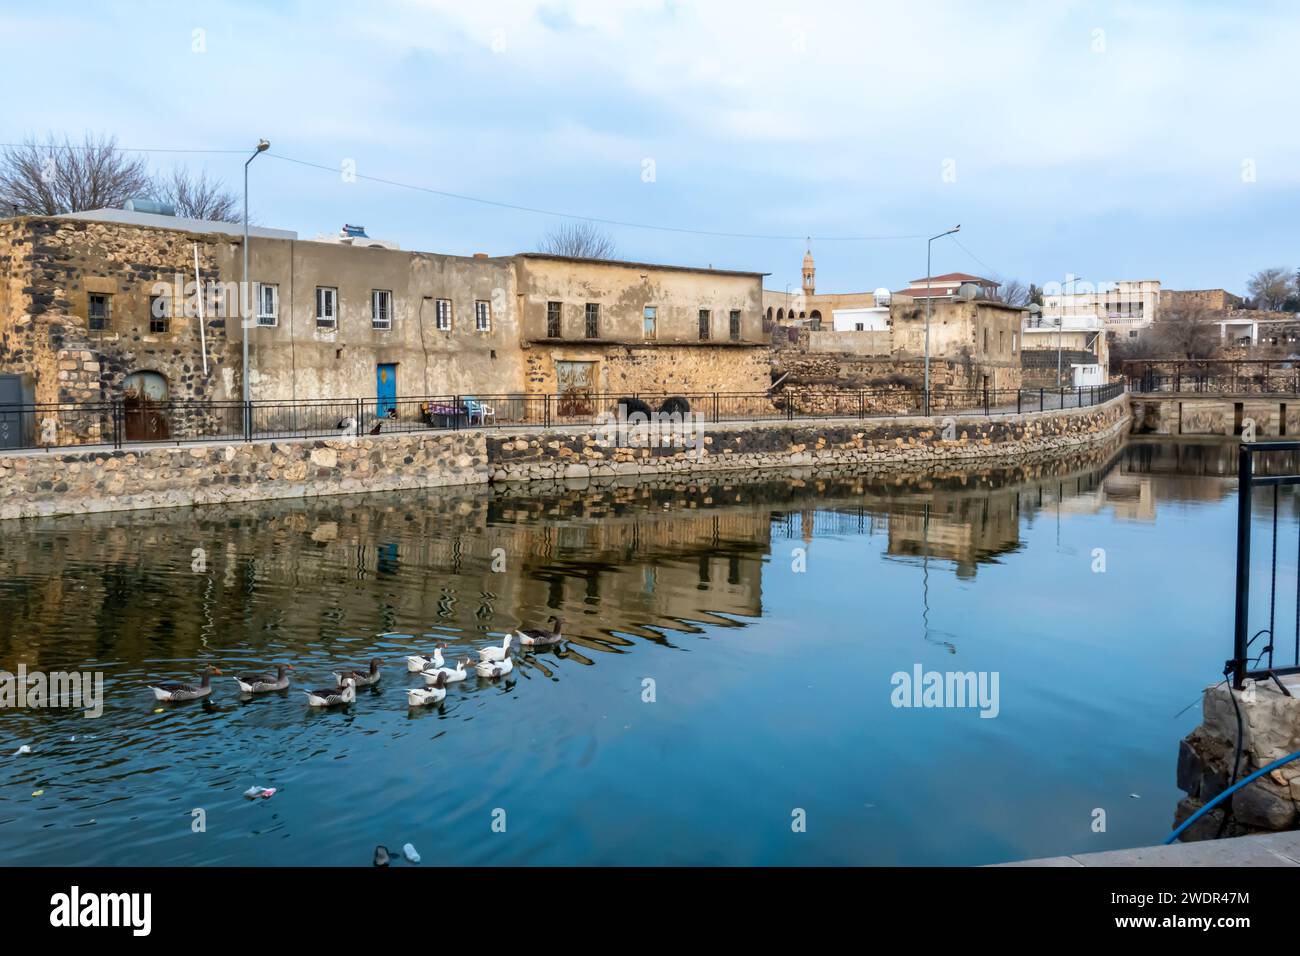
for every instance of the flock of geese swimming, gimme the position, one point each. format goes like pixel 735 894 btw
pixel 493 661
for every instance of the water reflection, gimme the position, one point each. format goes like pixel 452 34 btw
pixel 689 584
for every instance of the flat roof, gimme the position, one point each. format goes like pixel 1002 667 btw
pixel 132 218
pixel 628 264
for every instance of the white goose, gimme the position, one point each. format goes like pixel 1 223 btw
pixel 330 696
pixel 422 696
pixel 495 668
pixel 496 653
pixel 450 674
pixel 419 662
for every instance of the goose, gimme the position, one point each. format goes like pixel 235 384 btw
pixel 419 662
pixel 450 674
pixel 496 653
pixel 363 678
pixel 175 692
pixel 537 637
pixel 420 696
pixel 495 668
pixel 346 693
pixel 264 683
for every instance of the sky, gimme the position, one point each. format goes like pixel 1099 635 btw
pixel 1108 140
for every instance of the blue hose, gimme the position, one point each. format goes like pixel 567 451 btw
pixel 1227 793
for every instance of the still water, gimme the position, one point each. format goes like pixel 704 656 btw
pixel 728 674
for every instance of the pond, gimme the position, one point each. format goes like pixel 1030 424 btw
pixel 727 694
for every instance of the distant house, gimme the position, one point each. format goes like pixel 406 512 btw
pixel 946 286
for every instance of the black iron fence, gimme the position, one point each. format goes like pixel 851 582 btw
pixel 121 423
pixel 1239 376
pixel 1264 653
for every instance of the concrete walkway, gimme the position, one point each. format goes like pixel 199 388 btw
pixel 1271 849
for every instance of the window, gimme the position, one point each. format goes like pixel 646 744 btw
pixel 98 314
pixel 552 320
pixel 1002 341
pixel 482 315
pixel 651 320
pixel 593 320
pixel 381 309
pixel 704 325
pixel 1015 340
pixel 986 341
pixel 268 303
pixel 735 323
pixel 327 307
pixel 859 327
pixel 442 315
pixel 160 318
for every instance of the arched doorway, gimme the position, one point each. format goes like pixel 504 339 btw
pixel 145 396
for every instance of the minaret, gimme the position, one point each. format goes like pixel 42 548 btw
pixel 808 271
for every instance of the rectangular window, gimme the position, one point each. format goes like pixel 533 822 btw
pixel 1015 340
pixel 327 307
pixel 593 320
pixel 442 315
pixel 268 303
pixel 735 325
pixel 482 315
pixel 99 312
pixel 704 325
pixel 650 321
pixel 552 320
pixel 160 314
pixel 381 309
pixel 986 341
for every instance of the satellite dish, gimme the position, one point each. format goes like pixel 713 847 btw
pixel 967 291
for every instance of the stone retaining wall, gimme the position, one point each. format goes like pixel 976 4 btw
pixel 81 481
pixel 910 441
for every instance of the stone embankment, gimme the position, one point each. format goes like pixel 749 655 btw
pixel 78 481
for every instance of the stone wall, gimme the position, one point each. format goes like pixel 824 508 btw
pixel 1216 415
pixel 1269 730
pixel 909 441
pixel 625 369
pixel 78 481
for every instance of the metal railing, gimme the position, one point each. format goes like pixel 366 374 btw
pixel 116 424
pixel 1253 473
pixel 1239 376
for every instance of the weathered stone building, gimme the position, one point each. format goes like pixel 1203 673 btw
pixel 102 305
pixel 593 326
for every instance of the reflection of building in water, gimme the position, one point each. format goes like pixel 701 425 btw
pixel 966 531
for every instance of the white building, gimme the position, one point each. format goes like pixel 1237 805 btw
pixel 1125 307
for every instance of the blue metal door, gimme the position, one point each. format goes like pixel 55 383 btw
pixel 386 389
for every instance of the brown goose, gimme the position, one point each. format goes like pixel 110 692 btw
pixel 330 696
pixel 363 678
pixel 175 692
pixel 264 683
pixel 536 637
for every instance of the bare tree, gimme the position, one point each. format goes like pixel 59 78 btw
pixel 45 179
pixel 1013 292
pixel 196 196
pixel 1185 333
pixel 581 239
pixel 1269 288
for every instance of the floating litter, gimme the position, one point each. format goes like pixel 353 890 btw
pixel 37 793
pixel 408 851
pixel 264 792
pixel 24 749
pixel 1135 796
pixel 381 855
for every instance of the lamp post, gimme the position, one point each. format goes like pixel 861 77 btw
pixel 928 296
pixel 1060 323
pixel 244 311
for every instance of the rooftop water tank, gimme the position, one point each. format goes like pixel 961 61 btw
pixel 150 206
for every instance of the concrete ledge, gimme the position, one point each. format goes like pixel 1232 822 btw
pixel 1273 849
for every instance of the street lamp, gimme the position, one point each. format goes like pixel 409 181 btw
pixel 1060 323
pixel 927 311
pixel 244 311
